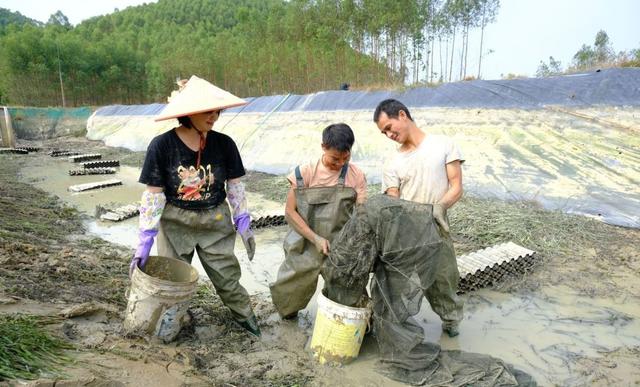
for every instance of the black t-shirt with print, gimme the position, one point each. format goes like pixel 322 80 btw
pixel 171 164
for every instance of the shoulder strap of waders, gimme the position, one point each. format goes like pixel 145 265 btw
pixel 299 180
pixel 343 173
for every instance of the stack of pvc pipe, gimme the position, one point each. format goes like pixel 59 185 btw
pixel 19 151
pixel 488 266
pixel 95 185
pixel 118 214
pixel 92 171
pixel 62 153
pixel 268 221
pixel 85 157
pixel 101 164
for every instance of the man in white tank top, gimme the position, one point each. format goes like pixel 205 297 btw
pixel 427 169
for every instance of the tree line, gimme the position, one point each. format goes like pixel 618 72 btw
pixel 600 55
pixel 249 47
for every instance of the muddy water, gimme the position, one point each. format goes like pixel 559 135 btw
pixel 543 333
pixel 54 178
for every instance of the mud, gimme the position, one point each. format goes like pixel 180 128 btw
pixel 573 320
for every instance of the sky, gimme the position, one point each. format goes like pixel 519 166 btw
pixel 524 33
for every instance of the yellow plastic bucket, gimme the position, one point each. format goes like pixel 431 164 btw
pixel 338 331
pixel 159 297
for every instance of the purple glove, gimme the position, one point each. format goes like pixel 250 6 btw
pixel 140 257
pixel 243 225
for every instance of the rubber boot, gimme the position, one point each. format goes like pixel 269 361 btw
pixel 451 330
pixel 291 316
pixel 251 325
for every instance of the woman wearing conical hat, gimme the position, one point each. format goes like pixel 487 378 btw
pixel 189 171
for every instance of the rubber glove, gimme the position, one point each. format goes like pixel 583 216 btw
pixel 140 257
pixel 241 218
pixel 151 207
pixel 243 225
pixel 440 216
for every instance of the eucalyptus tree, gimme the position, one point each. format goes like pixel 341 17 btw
pixel 452 12
pixel 554 67
pixel 600 54
pixel 602 48
pixel 469 14
pixel 489 10
pixel 430 28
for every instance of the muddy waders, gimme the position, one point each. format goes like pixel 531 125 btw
pixel 212 234
pixel 412 258
pixel 325 210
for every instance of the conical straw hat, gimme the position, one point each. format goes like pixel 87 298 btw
pixel 198 96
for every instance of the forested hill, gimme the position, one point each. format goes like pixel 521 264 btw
pixel 16 18
pixel 249 47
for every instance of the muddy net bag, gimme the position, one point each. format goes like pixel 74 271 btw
pixel 401 244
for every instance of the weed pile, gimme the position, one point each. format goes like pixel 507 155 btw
pixel 571 250
pixel 27 350
pixel 481 223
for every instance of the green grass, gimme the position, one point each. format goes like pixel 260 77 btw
pixel 27 350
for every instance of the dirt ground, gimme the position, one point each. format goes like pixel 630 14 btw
pixel 49 265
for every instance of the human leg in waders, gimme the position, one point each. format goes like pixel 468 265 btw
pixel 211 233
pixel 325 210
pixel 442 293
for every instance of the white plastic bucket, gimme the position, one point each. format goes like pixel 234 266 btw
pixel 159 297
pixel 338 331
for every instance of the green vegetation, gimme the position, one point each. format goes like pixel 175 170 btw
pixel 250 47
pixel 16 18
pixel 601 55
pixel 26 350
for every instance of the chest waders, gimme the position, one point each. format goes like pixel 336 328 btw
pixel 325 210
pixel 211 233
pixel 412 258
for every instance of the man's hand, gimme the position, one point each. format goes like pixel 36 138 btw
pixel 440 216
pixel 322 245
